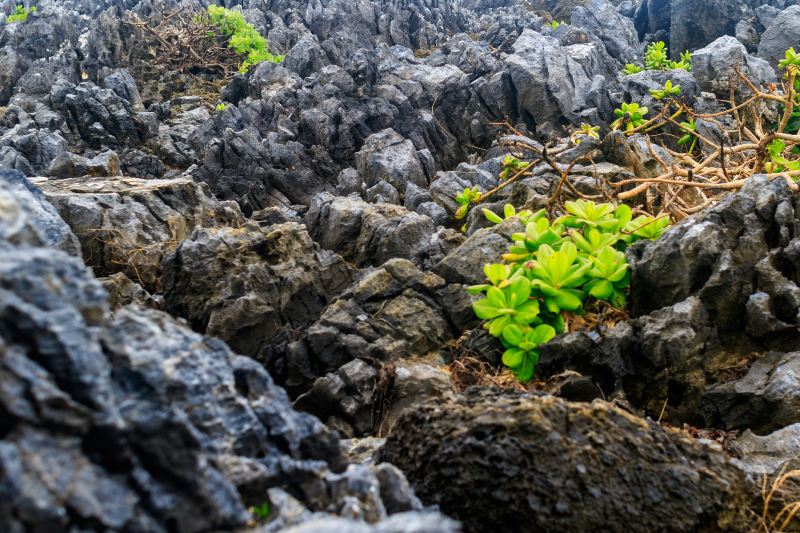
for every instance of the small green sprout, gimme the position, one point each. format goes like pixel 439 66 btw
pixel 220 107
pixel 629 115
pixel 464 199
pixel 555 24
pixel 511 165
pixel 585 130
pixel 688 138
pixel 260 512
pixel 668 90
pixel 632 68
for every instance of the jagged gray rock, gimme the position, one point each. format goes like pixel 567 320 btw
pixel 129 224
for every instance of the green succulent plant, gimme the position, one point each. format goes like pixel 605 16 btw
pixel 632 68
pixel 506 306
pixel 776 162
pixel 587 130
pixel 588 213
pixel 509 211
pixel 668 90
pixel 557 276
pixel 631 116
pixel 791 59
pixel 593 240
pixel 655 56
pixel 645 227
pixel 20 14
pixel 609 276
pixel 522 353
pixel 537 233
pixel 511 165
pixel 464 199
pixel 552 268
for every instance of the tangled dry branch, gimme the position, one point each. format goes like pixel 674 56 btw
pixel 187 42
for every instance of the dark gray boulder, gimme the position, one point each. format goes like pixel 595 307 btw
pixel 129 224
pixel 714 67
pixel 371 234
pixel 490 458
pixel 780 35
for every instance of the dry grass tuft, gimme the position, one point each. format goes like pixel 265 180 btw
pixel 781 503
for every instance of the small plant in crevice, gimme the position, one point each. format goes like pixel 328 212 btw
pixel 656 58
pixel 552 268
pixel 668 90
pixel 629 116
pixel 20 14
pixel 242 36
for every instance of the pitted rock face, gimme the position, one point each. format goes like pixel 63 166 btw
pixel 518 462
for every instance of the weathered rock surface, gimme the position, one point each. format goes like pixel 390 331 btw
pixel 252 286
pixel 516 462
pixel 391 313
pixel 164 429
pixel 27 217
pixel 371 234
pixel 129 225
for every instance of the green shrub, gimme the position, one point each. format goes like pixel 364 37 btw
pixel 243 38
pixel 656 58
pixel 554 267
pixel 20 14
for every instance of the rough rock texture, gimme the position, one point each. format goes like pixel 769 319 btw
pixel 712 295
pixel 252 286
pixel 369 235
pixel 137 423
pixel 128 225
pixel 25 216
pixel 491 458
pixel 391 313
pixel 714 67
pixel 780 35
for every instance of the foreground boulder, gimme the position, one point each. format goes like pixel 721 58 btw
pixel 134 422
pixel 513 462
